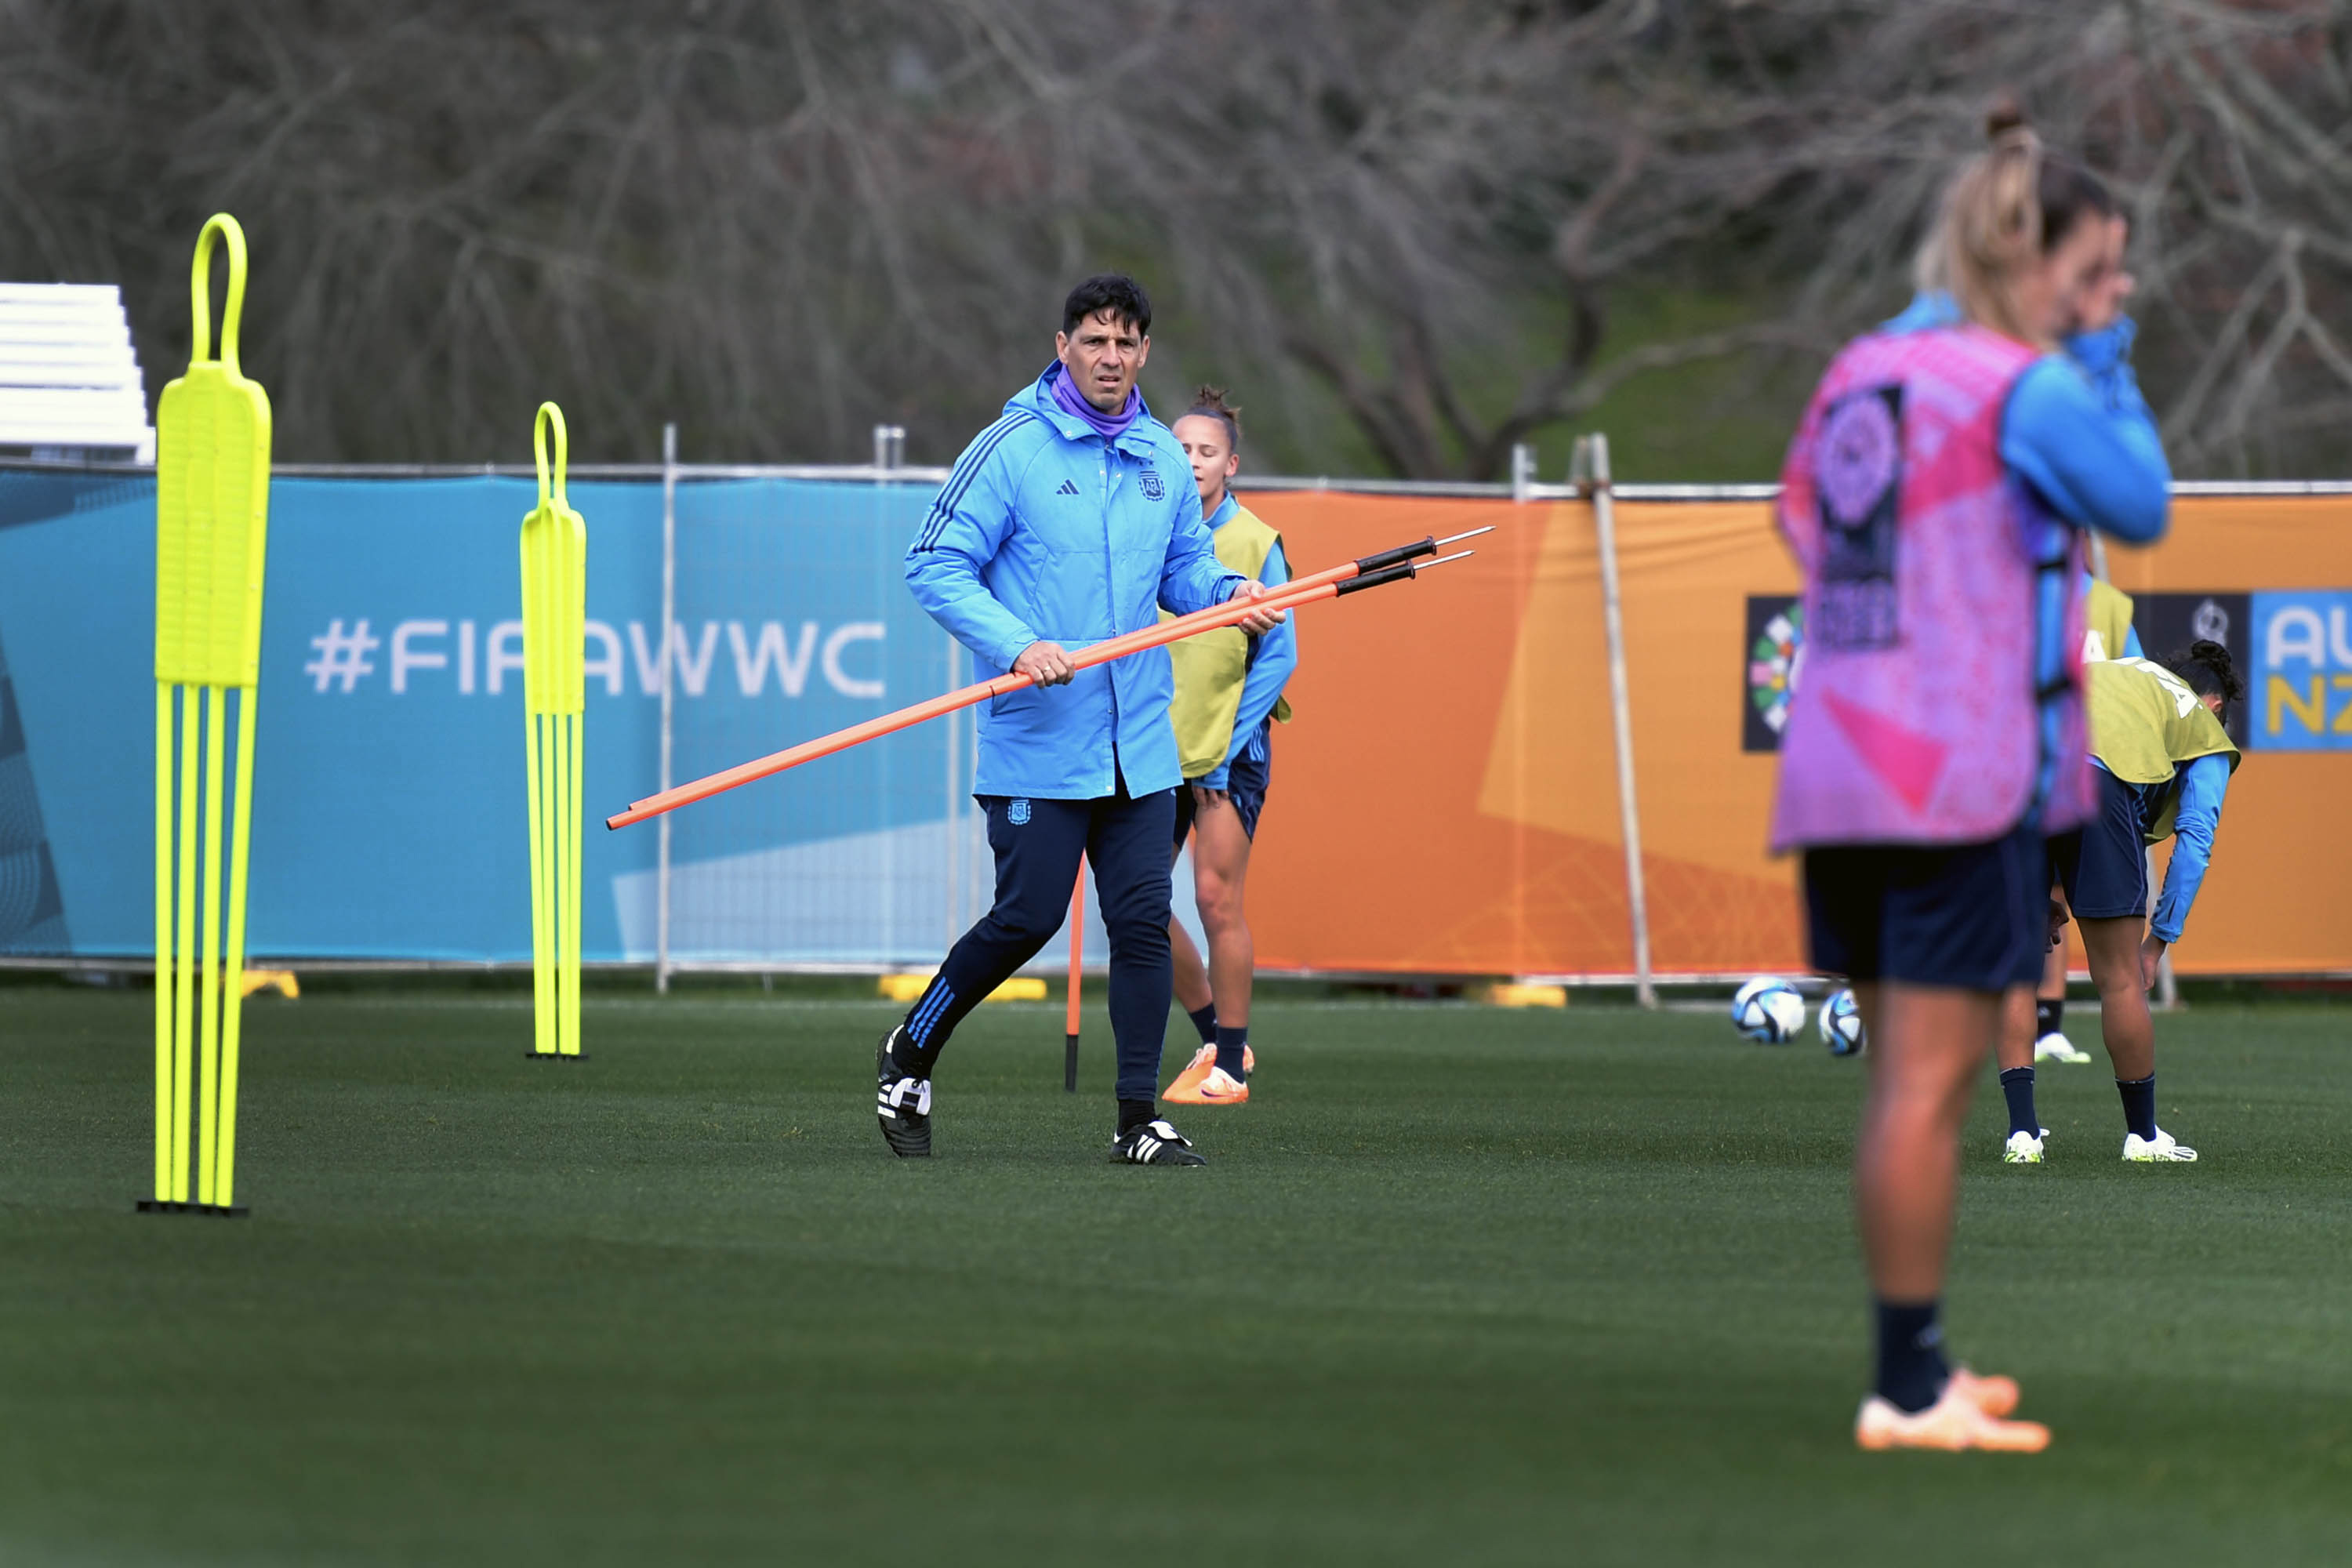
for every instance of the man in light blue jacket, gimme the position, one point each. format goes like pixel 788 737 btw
pixel 1070 520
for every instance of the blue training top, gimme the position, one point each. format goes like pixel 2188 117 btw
pixel 1047 530
pixel 2203 782
pixel 2077 429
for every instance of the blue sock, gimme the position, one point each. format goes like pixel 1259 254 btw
pixel 2139 1104
pixel 1205 1020
pixel 1911 1368
pixel 1231 1044
pixel 2016 1088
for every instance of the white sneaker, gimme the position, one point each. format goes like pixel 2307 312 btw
pixel 2022 1149
pixel 1958 1420
pixel 2163 1146
pixel 2055 1047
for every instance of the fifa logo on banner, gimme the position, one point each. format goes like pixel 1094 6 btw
pixel 1776 656
pixel 2302 696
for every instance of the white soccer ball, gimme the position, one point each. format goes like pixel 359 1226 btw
pixel 1840 1025
pixel 1768 1010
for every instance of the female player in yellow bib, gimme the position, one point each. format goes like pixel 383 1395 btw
pixel 2163 762
pixel 1228 698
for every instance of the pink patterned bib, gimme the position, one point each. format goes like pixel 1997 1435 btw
pixel 1918 719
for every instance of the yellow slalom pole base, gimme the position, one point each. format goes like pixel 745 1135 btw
pixel 197 964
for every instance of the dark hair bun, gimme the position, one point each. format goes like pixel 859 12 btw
pixel 2207 651
pixel 2003 117
pixel 2208 668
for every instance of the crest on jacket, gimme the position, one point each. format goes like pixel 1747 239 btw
pixel 1148 483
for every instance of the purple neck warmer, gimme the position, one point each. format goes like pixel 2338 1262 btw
pixel 1110 427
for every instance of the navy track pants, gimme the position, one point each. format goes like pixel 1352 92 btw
pixel 1039 844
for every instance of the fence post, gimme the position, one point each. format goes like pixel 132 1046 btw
pixel 1590 470
pixel 668 633
pixel 1523 471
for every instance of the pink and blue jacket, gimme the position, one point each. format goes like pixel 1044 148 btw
pixel 1932 497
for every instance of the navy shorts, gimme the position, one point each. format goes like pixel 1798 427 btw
pixel 1246 784
pixel 1975 917
pixel 2105 866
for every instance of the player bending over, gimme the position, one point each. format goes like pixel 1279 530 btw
pixel 1228 696
pixel 1068 521
pixel 1931 497
pixel 2163 762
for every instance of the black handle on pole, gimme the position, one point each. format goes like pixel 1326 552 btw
pixel 1070 1064
pixel 1396 574
pixel 1400 553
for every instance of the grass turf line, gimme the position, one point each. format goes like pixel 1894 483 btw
pixel 1460 1285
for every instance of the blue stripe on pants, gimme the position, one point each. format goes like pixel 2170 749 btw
pixel 936 998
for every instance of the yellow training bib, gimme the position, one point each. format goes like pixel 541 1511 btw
pixel 2145 723
pixel 2107 617
pixel 1211 668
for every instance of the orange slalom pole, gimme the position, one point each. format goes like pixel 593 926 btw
pixel 1224 615
pixel 1349 578
pixel 1078 946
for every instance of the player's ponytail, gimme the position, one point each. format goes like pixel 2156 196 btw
pixel 2205 667
pixel 2009 206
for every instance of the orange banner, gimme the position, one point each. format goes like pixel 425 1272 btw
pixel 1446 802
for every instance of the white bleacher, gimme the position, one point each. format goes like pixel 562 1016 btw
pixel 69 386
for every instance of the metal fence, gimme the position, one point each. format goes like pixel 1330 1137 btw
pixel 909 868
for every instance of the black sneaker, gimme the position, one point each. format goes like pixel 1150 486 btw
pixel 903 1103
pixel 1153 1143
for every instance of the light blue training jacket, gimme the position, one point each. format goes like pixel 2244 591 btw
pixel 2076 428
pixel 1048 532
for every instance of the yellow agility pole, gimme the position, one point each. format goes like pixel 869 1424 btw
pixel 554 654
pixel 212 504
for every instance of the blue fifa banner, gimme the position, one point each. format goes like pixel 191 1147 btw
pixel 389 797
pixel 2301 695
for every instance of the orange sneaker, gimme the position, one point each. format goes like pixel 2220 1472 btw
pixel 1217 1087
pixel 1190 1078
pixel 1994 1396
pixel 1954 1422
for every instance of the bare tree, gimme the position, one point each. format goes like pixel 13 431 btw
pixel 779 221
pixel 1431 208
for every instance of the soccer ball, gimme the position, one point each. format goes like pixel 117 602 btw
pixel 1768 1011
pixel 1841 1025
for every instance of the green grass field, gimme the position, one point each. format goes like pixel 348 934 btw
pixel 1462 1286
